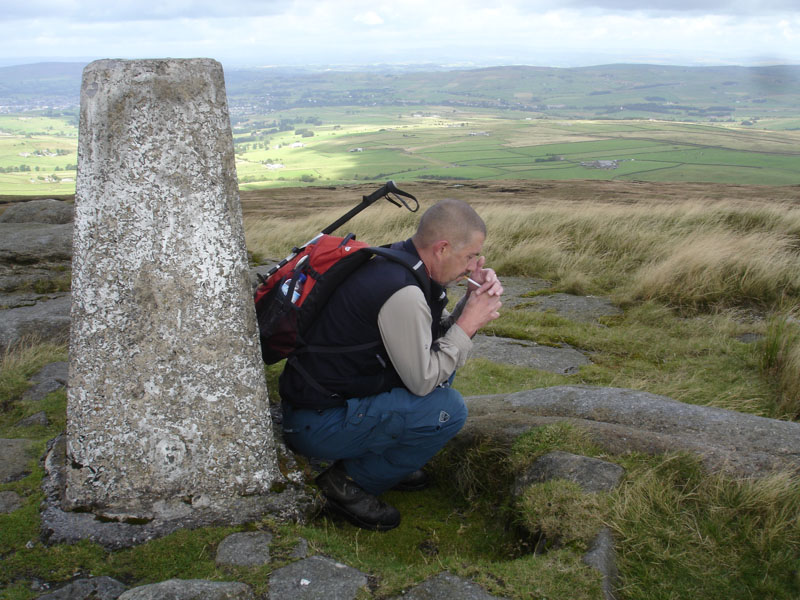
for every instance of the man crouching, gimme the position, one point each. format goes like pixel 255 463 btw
pixel 372 392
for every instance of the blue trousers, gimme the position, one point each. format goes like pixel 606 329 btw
pixel 379 439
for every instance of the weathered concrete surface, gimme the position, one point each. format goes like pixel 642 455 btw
pixel 525 353
pixel 167 406
pixel 446 586
pixel 47 321
pixel 316 577
pixel 622 420
pixel 38 211
pixel 190 589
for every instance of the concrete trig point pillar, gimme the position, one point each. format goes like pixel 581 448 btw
pixel 167 404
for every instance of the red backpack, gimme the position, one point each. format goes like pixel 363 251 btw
pixel 294 292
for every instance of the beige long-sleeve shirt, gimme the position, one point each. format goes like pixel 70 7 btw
pixel 405 325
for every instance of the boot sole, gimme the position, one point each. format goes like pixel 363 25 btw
pixel 340 510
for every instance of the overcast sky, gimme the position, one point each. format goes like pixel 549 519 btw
pixel 468 32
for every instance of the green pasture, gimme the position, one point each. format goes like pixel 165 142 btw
pixel 416 142
pixel 37 125
pixel 447 144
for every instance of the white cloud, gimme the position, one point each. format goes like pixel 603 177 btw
pixel 369 18
pixel 328 31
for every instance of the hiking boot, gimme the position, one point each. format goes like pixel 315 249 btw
pixel 345 497
pixel 413 482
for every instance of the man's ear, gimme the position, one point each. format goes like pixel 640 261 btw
pixel 439 247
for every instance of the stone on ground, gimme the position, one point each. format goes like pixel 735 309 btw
pixel 95 588
pixel 591 474
pixel 602 557
pixel 316 577
pixel 38 211
pixel 15 459
pixel 47 321
pixel 576 308
pixel 29 243
pixel 623 420
pixel 446 586
pixel 524 353
pixel 244 549
pixel 190 589
pixel 9 501
pixel 36 419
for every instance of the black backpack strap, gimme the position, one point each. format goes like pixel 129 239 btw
pixel 412 263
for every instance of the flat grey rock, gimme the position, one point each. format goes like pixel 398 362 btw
pixel 624 420
pixel 39 211
pixel 446 586
pixel 301 549
pixel 591 474
pixel 15 459
pixel 39 418
pixel 95 588
pixel 525 353
pixel 750 338
pixel 576 308
pixel 315 578
pixel 50 378
pixel 46 321
pixel 56 371
pixel 40 390
pixel 190 589
pixel 18 299
pixel 602 557
pixel 28 243
pixel 244 549
pixel 9 501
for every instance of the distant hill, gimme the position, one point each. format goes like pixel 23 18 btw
pixel 638 91
pixel 41 83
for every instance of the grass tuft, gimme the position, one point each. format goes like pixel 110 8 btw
pixel 781 362
pixel 563 513
pixel 682 533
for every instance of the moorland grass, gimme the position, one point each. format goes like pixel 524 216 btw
pixel 693 276
pixel 781 361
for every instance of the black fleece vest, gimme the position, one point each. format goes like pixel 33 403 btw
pixel 350 319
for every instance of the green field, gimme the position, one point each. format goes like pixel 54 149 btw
pixel 433 142
pixel 38 155
pixel 340 145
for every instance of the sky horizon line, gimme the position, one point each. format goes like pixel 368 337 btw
pixel 571 33
pixel 409 64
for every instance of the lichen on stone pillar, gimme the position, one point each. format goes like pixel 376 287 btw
pixel 167 402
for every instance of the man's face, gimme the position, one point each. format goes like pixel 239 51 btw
pixel 457 262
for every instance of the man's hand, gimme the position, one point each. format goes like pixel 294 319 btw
pixel 483 302
pixel 487 279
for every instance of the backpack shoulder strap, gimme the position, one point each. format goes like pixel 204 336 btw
pixel 413 264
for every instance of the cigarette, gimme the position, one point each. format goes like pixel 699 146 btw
pixel 473 282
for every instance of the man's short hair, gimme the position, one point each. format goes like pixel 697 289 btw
pixel 450 219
